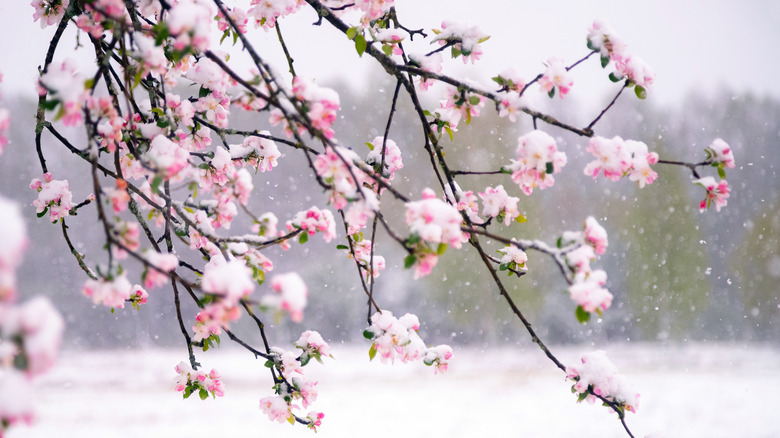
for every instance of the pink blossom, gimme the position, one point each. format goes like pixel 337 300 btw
pixel 604 39
pixel 5 123
pixel 266 12
pixel 239 17
pixel 616 158
pixel 312 344
pixel 162 262
pixel 595 235
pixel 598 373
pixel 587 292
pixel 167 156
pixel 467 39
pixel 16 398
pixel 556 77
pixel 189 22
pixel 13 234
pixel 514 255
pixel 67 86
pixel 434 221
pixel 290 295
pixel 53 195
pixel 39 326
pixel 109 292
pixel 720 152
pixel 276 408
pixel 49 11
pixel 260 153
pixel 717 192
pixel 314 220
pixel 315 420
pixel 538 159
pixel 438 356
pixel 197 381
pixel 231 280
pixel 392 159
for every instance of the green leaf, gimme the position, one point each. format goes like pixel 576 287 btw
pixel 388 49
pixel 614 78
pixel 291 420
pixel 50 104
pixel 503 266
pixel 342 247
pixel 409 261
pixel 640 92
pixel 203 92
pixel 158 111
pixel 156 184
pixel 721 172
pixel 352 33
pixel 370 146
pixel 441 248
pixel 112 310
pixel 551 93
pixel 43 213
pixel 360 44
pixel 604 61
pixel 203 394
pixel 549 167
pixel 372 352
pixel 590 45
pixel 269 364
pixel 582 315
pixel 187 392
pixel 449 131
pixel 304 238
pixel 474 100
pixel 224 35
pixel 521 219
pixel 368 334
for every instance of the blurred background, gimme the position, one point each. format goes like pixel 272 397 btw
pixel 679 277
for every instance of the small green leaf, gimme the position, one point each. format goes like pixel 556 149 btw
pixel 388 49
pixel 604 61
pixel 449 131
pixel 551 93
pixel 370 146
pixel 614 78
pixel 43 213
pixel 409 261
pixel 352 33
pixel 304 238
pixel 582 315
pixel 203 394
pixel 342 247
pixel 474 100
pixel 112 310
pixel 372 352
pixel 187 392
pixel 50 104
pixel 203 92
pixel 156 183
pixel 291 420
pixel 521 219
pixel 224 35
pixel 368 334
pixel 721 172
pixel 503 266
pixel 549 167
pixel 640 92
pixel 360 44
pixel 590 45
pixel 441 248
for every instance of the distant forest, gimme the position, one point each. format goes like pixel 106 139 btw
pixel 676 274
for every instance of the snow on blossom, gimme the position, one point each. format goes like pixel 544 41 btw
pixel 50 12
pixel 538 159
pixel 611 47
pixel 13 234
pixel 637 70
pixel 208 74
pixel 717 192
pixel 315 420
pixel 460 104
pixel 514 257
pixel 155 275
pixel 579 258
pixel 239 17
pixel 152 56
pixel 190 381
pixel 260 153
pixel 556 76
pixel 16 399
pixel 290 295
pixel 276 408
pixel 720 152
pixel 219 170
pixel 314 220
pixel 38 326
pixel 595 235
pixel 599 375
pixel 392 157
pixel 231 280
pixel 434 220
pixel 167 156
pixel 438 356
pixel 430 63
pixel 336 167
pixel 313 346
pixel 110 292
pixel 587 291
pixel 604 39
pixel 465 38
pixel 373 9
pixel 497 203
pixel 53 195
pixel 67 86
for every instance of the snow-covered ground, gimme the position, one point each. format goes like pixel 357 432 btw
pixel 697 390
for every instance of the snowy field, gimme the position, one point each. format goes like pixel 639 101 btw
pixel 693 391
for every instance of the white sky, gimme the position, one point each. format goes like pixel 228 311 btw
pixel 691 44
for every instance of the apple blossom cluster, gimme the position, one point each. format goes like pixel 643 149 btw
pixel 54 196
pixel 598 376
pixel 497 203
pixel 459 105
pixel 433 224
pixel 717 192
pixel 290 294
pixel 720 153
pixel 616 158
pixel 586 285
pixel 513 259
pixel 396 338
pixel 465 39
pixel 538 159
pixel 293 386
pixel 49 12
pixel 314 220
pixel 611 47
pixel 191 381
pixel 556 77
pixel 66 86
pixel 30 332
pixel 114 292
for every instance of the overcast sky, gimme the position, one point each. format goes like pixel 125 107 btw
pixel 691 44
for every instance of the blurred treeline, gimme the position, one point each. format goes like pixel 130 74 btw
pixel 676 274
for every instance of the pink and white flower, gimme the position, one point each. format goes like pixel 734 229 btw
pixel 717 192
